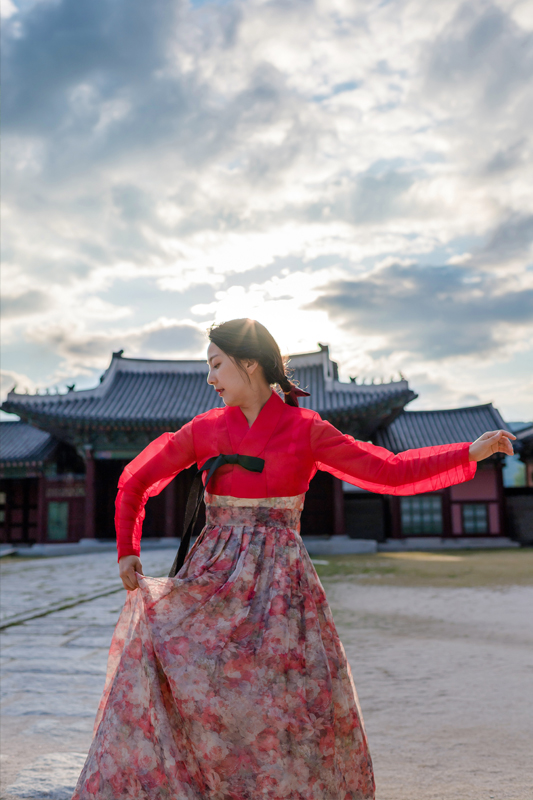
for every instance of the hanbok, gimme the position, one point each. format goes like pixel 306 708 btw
pixel 229 681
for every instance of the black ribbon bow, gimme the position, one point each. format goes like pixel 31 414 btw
pixel 196 496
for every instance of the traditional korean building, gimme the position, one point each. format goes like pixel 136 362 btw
pixel 59 466
pixel 42 486
pixel 92 434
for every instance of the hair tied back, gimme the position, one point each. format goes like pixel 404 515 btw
pixel 295 392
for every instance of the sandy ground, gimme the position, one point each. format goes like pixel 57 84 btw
pixel 444 675
pixel 445 680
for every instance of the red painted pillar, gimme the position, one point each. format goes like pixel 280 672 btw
pixel 90 505
pixel 41 510
pixel 338 508
pixel 504 526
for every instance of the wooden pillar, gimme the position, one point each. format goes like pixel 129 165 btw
pixel 396 517
pixel 42 521
pixel 338 508
pixel 170 510
pixel 502 508
pixel 447 529
pixel 90 491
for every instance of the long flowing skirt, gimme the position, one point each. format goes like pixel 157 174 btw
pixel 229 681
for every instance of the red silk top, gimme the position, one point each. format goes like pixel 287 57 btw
pixel 295 443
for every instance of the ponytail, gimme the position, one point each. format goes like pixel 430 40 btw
pixel 291 391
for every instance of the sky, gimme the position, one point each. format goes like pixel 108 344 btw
pixel 352 173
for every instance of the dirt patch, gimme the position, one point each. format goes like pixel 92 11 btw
pixel 465 568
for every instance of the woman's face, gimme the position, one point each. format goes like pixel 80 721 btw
pixel 226 377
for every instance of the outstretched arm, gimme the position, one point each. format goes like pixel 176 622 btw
pixel 425 469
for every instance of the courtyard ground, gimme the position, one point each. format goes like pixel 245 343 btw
pixel 439 645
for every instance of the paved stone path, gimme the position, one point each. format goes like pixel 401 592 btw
pixel 53 666
pixel 31 587
pixel 444 677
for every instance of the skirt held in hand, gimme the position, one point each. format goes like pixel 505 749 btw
pixel 229 681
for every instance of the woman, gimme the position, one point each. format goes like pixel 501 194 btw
pixel 229 681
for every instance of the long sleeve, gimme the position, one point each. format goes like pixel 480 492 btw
pixel 146 476
pixel 426 469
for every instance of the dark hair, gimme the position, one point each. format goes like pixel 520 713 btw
pixel 247 338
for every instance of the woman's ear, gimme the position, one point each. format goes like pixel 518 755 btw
pixel 251 365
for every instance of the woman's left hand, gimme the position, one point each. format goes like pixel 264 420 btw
pixel 490 443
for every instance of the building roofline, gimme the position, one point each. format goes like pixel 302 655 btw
pixel 119 364
pixel 37 454
pixel 451 410
pixel 524 433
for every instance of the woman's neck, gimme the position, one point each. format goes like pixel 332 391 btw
pixel 253 406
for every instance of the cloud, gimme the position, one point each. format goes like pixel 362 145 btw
pixel 512 238
pixel 173 160
pixel 481 56
pixel 23 305
pixel 83 351
pixel 10 378
pixel 58 47
pixel 174 338
pixel 434 313
pixel 509 157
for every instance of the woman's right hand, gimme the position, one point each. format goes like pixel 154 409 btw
pixel 127 567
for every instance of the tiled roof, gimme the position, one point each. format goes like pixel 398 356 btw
pixel 24 444
pixel 142 392
pixel 412 429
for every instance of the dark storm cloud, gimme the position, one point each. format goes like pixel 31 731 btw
pixel 483 53
pixel 435 312
pixel 22 305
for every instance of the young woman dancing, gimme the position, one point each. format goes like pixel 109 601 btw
pixel 229 681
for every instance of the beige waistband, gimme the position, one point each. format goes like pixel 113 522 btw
pixel 294 502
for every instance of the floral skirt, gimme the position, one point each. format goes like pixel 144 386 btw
pixel 229 681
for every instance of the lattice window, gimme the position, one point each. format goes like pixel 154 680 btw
pixel 421 514
pixel 475 518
